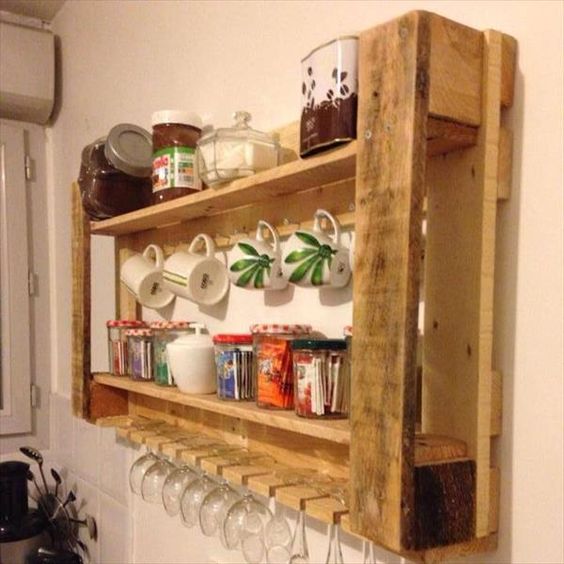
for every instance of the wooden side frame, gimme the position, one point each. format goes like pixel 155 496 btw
pixel 390 501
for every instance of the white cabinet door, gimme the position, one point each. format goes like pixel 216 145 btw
pixel 15 405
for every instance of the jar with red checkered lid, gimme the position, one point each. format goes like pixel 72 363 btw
pixel 273 371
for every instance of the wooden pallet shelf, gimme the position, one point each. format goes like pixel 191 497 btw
pixel 297 176
pixel 431 94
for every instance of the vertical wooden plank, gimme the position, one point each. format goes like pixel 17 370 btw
pixel 505 164
pixel 459 275
pixel 493 516
pixel 496 416
pixel 393 105
pixel 508 65
pixel 456 71
pixel 80 307
pixel 126 304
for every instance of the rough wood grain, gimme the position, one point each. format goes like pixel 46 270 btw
pixel 444 504
pixel 295 497
pixel 81 297
pixel 126 304
pixel 493 516
pixel 431 449
pixel 497 404
pixel 508 66
pixel 326 509
pixel 389 194
pixel 505 164
pixel 267 484
pixel 459 276
pixel 447 136
pixel 455 71
pixel 105 401
pixel 241 474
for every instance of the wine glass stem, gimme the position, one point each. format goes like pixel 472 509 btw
pixel 334 554
pixel 299 542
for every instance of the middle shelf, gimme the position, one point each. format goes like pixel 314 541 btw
pixel 429 449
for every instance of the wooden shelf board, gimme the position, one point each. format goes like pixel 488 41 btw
pixel 335 431
pixel 297 176
pixel 292 177
pixel 429 449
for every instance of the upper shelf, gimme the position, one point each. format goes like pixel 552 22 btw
pixel 296 176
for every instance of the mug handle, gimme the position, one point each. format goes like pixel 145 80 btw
pixel 336 226
pixel 275 239
pixel 208 242
pixel 159 257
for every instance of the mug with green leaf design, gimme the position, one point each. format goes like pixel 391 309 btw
pixel 312 258
pixel 256 263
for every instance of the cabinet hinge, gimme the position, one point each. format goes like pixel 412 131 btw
pixel 31 282
pixel 34 395
pixel 27 167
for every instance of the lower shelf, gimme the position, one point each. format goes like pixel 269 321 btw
pixel 428 448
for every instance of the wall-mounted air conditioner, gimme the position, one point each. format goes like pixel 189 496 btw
pixel 27 73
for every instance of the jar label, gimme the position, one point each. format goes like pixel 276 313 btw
pixel 173 167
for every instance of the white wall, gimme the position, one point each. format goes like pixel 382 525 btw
pixel 123 60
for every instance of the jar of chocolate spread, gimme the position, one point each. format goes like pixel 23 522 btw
pixel 115 172
pixel 175 135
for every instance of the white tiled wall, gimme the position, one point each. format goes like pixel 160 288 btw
pixel 95 467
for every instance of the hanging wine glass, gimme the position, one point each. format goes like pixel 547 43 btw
pixel 214 508
pixel 192 499
pixel 173 487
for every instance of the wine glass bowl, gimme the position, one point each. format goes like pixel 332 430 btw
pixel 173 487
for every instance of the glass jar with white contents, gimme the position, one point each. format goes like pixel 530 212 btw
pixel 140 353
pixel 234 152
pixel 321 378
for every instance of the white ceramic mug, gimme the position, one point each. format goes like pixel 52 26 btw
pixel 143 277
pixel 198 277
pixel 256 263
pixel 313 259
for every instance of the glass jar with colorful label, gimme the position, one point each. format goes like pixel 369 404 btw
pixel 321 378
pixel 273 371
pixel 140 353
pixel 234 364
pixel 175 136
pixel 117 344
pixel 165 332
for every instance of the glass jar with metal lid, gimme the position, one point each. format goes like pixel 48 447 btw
pixel 115 172
pixel 321 378
pixel 175 135
pixel 140 353
pixel 234 363
pixel 165 332
pixel 233 152
pixel 117 344
pixel 273 371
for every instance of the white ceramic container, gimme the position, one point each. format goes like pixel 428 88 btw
pixel 191 360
